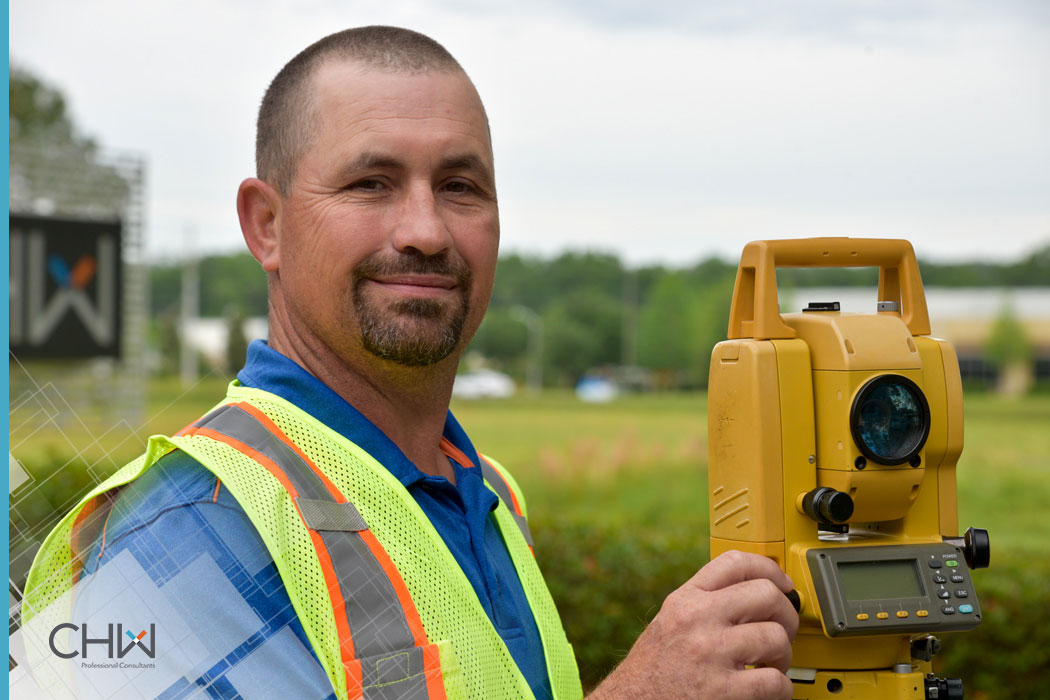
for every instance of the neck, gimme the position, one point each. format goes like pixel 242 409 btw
pixel 409 404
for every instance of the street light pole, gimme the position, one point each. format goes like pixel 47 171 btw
pixel 534 349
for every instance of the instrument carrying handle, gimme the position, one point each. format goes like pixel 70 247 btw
pixel 755 311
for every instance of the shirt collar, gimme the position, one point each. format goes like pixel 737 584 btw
pixel 269 370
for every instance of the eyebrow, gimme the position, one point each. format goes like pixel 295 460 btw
pixel 467 161
pixel 374 159
pixel 369 160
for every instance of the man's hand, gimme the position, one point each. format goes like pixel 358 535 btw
pixel 733 613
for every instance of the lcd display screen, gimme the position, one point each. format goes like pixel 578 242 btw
pixel 872 580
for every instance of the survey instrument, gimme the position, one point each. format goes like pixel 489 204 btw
pixel 833 444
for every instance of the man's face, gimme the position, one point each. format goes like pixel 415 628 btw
pixel 389 232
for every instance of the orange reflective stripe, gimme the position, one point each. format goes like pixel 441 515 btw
pixel 455 453
pixel 89 508
pixel 105 525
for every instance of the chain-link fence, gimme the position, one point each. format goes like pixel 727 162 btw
pixel 67 415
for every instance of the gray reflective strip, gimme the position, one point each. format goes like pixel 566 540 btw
pixel 240 425
pixel 497 484
pixel 392 666
pixel 329 515
pixel 399 676
pixel 373 612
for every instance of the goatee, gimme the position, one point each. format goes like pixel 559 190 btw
pixel 412 332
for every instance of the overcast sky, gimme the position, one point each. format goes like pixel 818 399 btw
pixel 662 131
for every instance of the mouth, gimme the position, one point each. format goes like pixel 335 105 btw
pixel 417 285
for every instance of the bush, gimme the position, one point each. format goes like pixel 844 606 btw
pixel 1007 656
pixel 609 582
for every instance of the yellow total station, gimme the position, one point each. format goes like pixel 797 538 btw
pixel 833 442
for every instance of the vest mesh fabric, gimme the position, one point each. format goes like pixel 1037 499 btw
pixel 561 667
pixel 55 566
pixel 475 662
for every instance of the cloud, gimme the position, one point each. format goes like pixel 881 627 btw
pixel 664 133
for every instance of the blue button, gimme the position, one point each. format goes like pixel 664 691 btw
pixel 966 608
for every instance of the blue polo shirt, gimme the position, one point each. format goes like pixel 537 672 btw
pixel 177 512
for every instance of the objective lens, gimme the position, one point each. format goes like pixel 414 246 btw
pixel 890 419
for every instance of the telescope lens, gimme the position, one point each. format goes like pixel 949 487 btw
pixel 890 419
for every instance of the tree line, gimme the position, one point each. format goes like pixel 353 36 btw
pixel 595 311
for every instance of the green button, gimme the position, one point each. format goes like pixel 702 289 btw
pixel 952 563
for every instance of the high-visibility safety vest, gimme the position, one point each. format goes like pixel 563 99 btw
pixel 383 602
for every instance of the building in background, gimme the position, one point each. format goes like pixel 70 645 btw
pixel 970 318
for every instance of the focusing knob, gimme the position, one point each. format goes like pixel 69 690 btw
pixel 976 547
pixel 826 505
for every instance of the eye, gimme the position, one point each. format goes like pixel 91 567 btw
pixel 367 185
pixel 459 187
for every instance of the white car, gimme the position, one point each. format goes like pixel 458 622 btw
pixel 483 384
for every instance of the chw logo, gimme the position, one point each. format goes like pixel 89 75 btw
pixel 118 641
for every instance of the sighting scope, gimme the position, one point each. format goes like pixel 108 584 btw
pixel 833 440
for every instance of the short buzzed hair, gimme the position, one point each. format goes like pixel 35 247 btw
pixel 289 111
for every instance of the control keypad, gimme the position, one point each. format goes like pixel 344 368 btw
pixel 946 602
pixel 940 581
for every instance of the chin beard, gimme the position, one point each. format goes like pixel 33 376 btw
pixel 411 332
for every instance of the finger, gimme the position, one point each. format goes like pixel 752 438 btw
pixel 766 683
pixel 758 600
pixel 735 567
pixel 759 644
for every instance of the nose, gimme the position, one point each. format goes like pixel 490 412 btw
pixel 420 226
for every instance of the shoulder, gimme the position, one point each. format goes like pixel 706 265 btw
pixel 176 501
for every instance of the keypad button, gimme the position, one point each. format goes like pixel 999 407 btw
pixel 951 563
pixel 922 613
pixel 862 616
pixel 948 609
pixel 902 613
pixel 966 608
pixel 944 594
pixel 883 615
pixel 961 593
pixel 934 563
pixel 957 578
pixel 937 578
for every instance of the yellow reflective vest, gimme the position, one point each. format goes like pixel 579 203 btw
pixel 382 600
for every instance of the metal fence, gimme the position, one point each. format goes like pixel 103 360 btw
pixel 82 183
pixel 72 406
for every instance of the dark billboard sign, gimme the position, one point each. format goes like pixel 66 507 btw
pixel 65 282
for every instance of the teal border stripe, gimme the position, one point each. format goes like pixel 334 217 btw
pixel 6 306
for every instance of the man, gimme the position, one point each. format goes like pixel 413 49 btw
pixel 342 506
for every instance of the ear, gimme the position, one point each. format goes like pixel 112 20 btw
pixel 259 210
